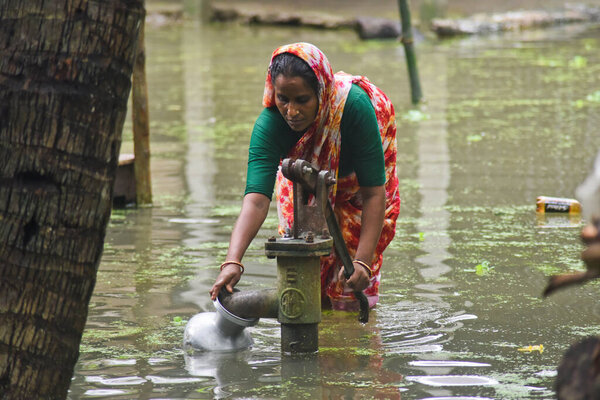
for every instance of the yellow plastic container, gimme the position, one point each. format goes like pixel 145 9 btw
pixel 547 204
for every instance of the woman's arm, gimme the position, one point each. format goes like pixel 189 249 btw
pixel 255 207
pixel 373 213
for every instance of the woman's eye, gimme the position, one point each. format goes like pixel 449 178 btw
pixel 283 99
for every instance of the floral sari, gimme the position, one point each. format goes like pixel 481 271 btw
pixel 320 145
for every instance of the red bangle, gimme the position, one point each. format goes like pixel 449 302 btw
pixel 364 264
pixel 239 264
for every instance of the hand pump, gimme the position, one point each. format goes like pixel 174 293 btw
pixel 309 180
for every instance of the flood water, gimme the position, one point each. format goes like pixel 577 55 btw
pixel 507 119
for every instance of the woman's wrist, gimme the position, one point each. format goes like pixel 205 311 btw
pixel 231 262
pixel 366 266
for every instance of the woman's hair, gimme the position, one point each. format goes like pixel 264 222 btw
pixel 289 65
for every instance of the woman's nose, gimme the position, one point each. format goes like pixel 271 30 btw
pixel 292 111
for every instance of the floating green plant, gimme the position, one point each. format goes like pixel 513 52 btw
pixel 474 138
pixel 578 62
pixel 177 320
pixel 356 351
pixel 594 97
pixel 548 62
pixel 586 330
pixel 226 211
pixel 481 269
pixel 415 116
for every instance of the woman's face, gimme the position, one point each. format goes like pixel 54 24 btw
pixel 296 101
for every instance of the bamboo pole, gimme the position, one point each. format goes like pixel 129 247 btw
pixel 141 126
pixel 409 51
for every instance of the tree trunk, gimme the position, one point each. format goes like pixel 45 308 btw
pixel 141 125
pixel 65 77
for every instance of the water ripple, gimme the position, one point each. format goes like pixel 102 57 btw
pixel 457 398
pixel 104 392
pixel 456 318
pixel 161 380
pixel 453 380
pixel 444 363
pixel 194 221
pixel 118 362
pixel 125 380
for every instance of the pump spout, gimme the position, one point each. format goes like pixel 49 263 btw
pixel 252 303
pixel 225 329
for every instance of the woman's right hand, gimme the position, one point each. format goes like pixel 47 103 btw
pixel 254 211
pixel 229 276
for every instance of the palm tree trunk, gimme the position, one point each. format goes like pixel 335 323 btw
pixel 65 77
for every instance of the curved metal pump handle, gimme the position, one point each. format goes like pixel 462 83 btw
pixel 342 250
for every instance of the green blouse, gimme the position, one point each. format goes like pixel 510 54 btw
pixel 361 151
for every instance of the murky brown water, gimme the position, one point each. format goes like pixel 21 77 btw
pixel 507 119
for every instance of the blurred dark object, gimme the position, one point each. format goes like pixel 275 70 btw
pixel 578 375
pixel 124 187
pixel 142 189
pixel 268 16
pixel 411 58
pixel 588 192
pixel 589 195
pixel 591 258
pixel 378 28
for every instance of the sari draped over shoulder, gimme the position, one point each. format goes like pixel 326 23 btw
pixel 320 145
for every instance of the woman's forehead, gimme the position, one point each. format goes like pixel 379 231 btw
pixel 291 83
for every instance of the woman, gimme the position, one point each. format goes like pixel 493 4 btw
pixel 340 123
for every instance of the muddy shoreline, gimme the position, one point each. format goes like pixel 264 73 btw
pixel 433 18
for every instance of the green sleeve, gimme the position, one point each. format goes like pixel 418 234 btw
pixel 361 149
pixel 271 140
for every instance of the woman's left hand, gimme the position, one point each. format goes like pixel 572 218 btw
pixel 373 213
pixel 359 280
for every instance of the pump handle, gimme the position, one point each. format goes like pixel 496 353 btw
pixel 342 251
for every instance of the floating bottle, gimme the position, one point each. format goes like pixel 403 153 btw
pixel 547 204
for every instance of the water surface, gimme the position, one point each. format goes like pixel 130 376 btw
pixel 506 119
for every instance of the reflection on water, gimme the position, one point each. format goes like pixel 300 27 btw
pixel 453 380
pixel 507 119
